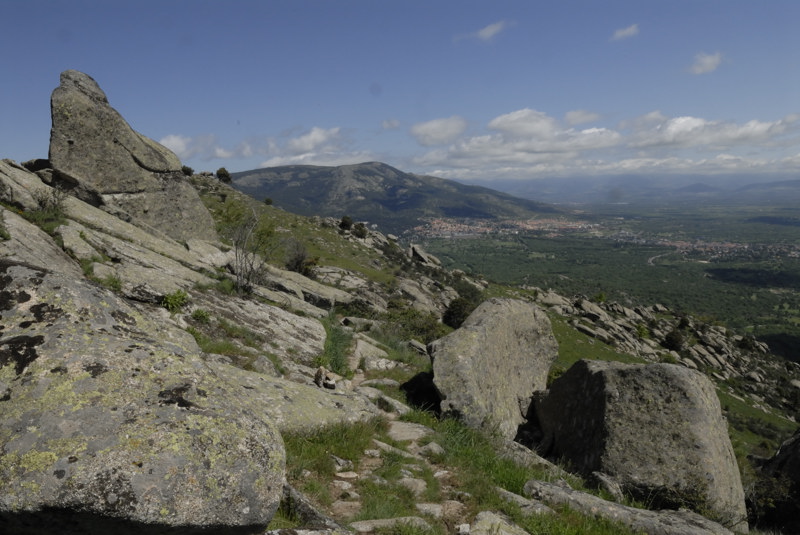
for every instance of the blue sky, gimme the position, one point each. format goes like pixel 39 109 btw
pixel 456 88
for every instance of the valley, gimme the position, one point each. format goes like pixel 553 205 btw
pixel 737 267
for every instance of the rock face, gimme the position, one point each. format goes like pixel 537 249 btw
pixel 784 467
pixel 656 429
pixel 107 163
pixel 110 421
pixel 487 370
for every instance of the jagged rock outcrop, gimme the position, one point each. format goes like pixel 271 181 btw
pixel 110 421
pixel 94 152
pixel 28 244
pixel 656 429
pixel 487 370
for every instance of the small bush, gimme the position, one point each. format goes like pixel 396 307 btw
pixel 223 175
pixel 112 282
pixel 4 234
pixel 50 214
pixel 175 301
pixel 674 340
pixel 186 170
pixel 360 231
pixel 201 315
pixel 346 223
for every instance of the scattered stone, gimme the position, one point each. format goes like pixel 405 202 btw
pixel 431 509
pixel 368 526
pixel 408 431
pixel 414 484
pixel 489 523
pixel 431 449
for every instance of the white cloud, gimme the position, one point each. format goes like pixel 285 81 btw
pixel 705 63
pixel 177 144
pixel 439 131
pixel 317 138
pixel 487 33
pixel 625 33
pixel 205 147
pixel 580 117
pixel 525 122
pixel 696 132
pixel 390 124
pixel 528 143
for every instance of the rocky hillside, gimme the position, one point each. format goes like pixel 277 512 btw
pixel 163 372
pixel 376 192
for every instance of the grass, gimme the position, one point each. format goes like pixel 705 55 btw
pixel 337 348
pixel 469 454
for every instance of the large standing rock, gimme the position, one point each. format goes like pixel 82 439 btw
pixel 95 150
pixel 110 421
pixel 656 429
pixel 487 370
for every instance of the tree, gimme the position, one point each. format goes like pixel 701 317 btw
pixel 673 340
pixel 186 170
pixel 252 239
pixel 346 223
pixel 360 231
pixel 223 175
pixel 298 259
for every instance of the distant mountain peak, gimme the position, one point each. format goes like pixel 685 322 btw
pixel 381 194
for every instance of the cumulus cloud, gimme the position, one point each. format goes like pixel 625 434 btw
pixel 204 147
pixel 705 63
pixel 525 123
pixel 390 124
pixel 625 33
pixel 580 117
pixel 314 140
pixel 439 131
pixel 690 131
pixel 528 143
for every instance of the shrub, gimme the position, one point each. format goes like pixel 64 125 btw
pixel 223 175
pixel 346 223
pixel 673 340
pixel 457 311
pixel 406 323
pixel 186 170
pixel 175 301
pixel 201 315
pixel 253 242
pixel 360 231
pixel 50 214
pixel 4 235
pixel 298 259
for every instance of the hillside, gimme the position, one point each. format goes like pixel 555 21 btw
pixel 378 193
pixel 274 373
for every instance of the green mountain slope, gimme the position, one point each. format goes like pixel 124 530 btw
pixel 378 193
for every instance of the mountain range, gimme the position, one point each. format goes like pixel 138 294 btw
pixel 636 189
pixel 377 192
